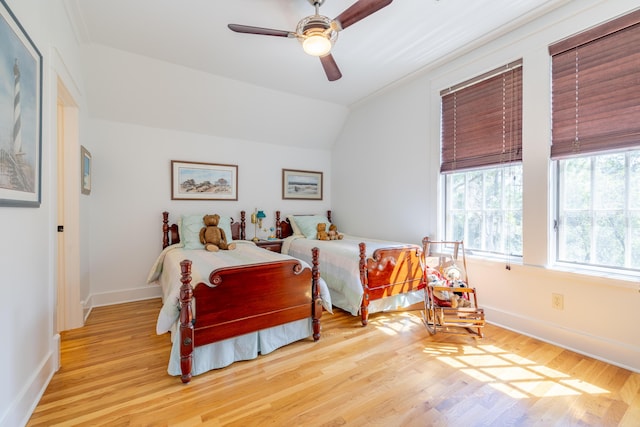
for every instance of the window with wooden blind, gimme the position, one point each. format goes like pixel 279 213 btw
pixel 596 89
pixel 596 145
pixel 482 120
pixel 481 160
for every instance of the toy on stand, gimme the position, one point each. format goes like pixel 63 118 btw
pixel 450 305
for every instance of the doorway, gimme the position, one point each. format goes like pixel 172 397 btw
pixel 69 310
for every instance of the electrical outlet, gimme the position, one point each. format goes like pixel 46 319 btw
pixel 557 301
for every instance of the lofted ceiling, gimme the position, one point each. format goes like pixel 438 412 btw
pixel 399 40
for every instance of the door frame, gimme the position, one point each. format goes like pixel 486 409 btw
pixel 69 312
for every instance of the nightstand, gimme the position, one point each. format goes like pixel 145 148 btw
pixel 270 245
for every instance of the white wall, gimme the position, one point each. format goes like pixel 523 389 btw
pixel 131 189
pixel 397 134
pixel 28 255
pixel 130 88
pixel 380 163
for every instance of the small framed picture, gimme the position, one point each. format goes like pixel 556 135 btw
pixel 203 181
pixel 302 185
pixel 85 159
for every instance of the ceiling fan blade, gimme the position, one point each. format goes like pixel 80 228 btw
pixel 330 67
pixel 247 29
pixel 360 10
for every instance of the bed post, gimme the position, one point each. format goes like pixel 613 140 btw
pixel 364 307
pixel 186 324
pixel 278 226
pixel 316 309
pixel 329 215
pixel 243 223
pixel 165 229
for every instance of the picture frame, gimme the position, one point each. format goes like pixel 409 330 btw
pixel 20 115
pixel 203 181
pixel 85 174
pixel 301 184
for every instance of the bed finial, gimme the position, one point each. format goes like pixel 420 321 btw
pixel 278 226
pixel 243 224
pixel 165 229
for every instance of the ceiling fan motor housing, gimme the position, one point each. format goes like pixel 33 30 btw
pixel 317 25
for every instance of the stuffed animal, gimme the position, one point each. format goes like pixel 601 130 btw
pixel 213 237
pixel 322 232
pixel 458 299
pixel 449 278
pixel 333 233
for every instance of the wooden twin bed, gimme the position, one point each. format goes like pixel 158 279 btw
pixel 243 298
pixel 390 274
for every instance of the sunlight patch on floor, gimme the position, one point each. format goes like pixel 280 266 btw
pixel 509 373
pixel 395 323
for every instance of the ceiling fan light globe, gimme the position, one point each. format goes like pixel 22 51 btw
pixel 316 45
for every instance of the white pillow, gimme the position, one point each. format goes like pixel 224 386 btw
pixel 308 224
pixel 191 226
pixel 294 227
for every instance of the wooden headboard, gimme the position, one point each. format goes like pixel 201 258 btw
pixel 283 228
pixel 170 234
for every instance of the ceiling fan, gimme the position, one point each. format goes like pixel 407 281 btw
pixel 318 33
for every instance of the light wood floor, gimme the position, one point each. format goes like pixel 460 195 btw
pixel 391 373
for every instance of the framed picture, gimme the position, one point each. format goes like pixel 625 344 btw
pixel 85 159
pixel 304 185
pixel 203 181
pixel 20 114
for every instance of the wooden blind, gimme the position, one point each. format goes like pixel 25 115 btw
pixel 596 89
pixel 482 120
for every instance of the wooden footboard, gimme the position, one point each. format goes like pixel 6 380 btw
pixel 390 271
pixel 246 299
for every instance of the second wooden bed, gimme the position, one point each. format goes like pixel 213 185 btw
pixel 363 275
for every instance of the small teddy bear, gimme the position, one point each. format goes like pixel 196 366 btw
pixel 458 299
pixel 213 237
pixel 333 233
pixel 322 232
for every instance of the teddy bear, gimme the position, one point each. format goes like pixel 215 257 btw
pixel 457 299
pixel 213 237
pixel 322 232
pixel 333 233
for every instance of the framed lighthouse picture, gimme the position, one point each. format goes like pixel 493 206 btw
pixel 20 114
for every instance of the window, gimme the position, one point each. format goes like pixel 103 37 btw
pixel 484 208
pixel 599 210
pixel 596 145
pixel 481 161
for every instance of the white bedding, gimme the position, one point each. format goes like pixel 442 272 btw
pixel 339 267
pixel 166 273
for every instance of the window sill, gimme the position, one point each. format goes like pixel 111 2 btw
pixel 627 279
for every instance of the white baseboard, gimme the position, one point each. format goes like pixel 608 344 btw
pixel 602 348
pixel 122 296
pixel 30 395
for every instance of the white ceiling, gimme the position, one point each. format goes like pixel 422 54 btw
pixel 405 37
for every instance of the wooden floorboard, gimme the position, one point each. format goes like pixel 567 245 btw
pixel 390 373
